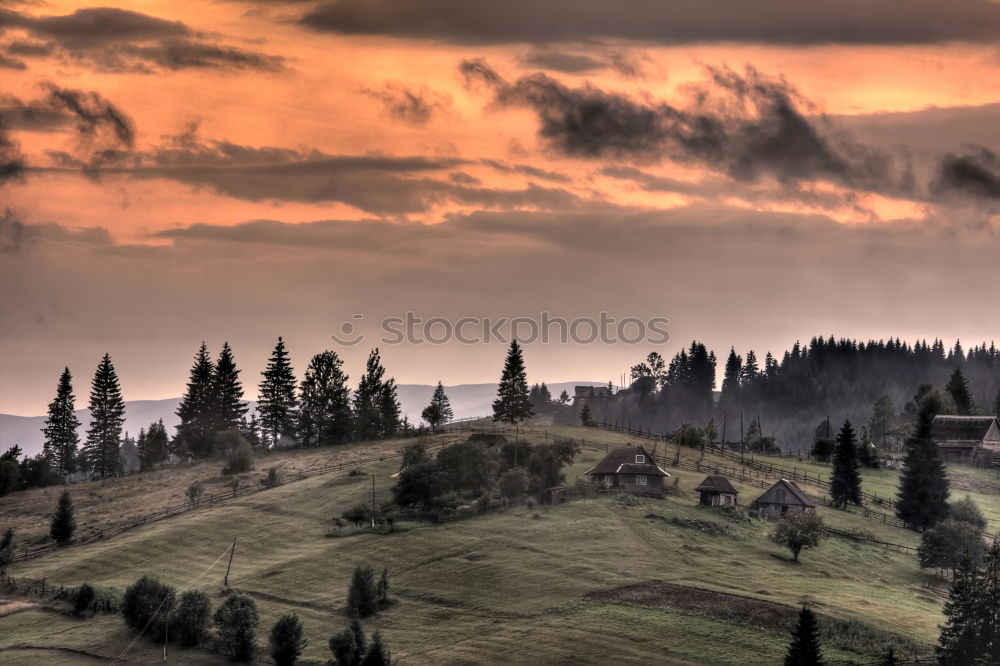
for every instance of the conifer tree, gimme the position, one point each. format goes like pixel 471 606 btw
pixel 958 388
pixel 586 417
pixel 845 481
pixel 389 409
pixel 286 640
pixel 923 486
pixel 376 407
pixel 107 415
pixel 196 431
pixel 153 445
pixel 63 520
pixel 890 658
pixel 960 640
pixel 996 405
pixel 513 403
pixel 989 606
pixel 277 402
pixel 378 654
pixel 731 379
pixel 61 437
pixel 804 648
pixel 6 550
pixel 439 411
pixel 324 403
pixel 750 371
pixel 227 392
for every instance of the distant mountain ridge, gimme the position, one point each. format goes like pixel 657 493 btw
pixel 467 400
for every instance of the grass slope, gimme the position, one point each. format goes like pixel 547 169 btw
pixel 526 585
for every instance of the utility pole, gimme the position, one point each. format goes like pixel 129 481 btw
pixel 742 445
pixel 232 550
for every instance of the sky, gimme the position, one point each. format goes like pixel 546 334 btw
pixel 235 170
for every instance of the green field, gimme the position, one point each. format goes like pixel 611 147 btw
pixel 527 585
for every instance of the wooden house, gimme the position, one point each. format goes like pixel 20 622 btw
pixel 967 439
pixel 781 498
pixel 629 469
pixel 717 491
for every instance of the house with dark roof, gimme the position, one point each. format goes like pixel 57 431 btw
pixel 629 469
pixel 717 491
pixel 781 498
pixel 970 439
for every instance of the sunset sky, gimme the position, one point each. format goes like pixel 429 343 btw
pixel 757 172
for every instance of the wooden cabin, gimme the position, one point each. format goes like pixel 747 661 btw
pixel 781 498
pixel 966 439
pixel 629 469
pixel 717 491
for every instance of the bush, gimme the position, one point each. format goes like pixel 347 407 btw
pixel 418 485
pixel 286 641
pixel 6 550
pixel 148 602
pixel 190 621
pixel 798 531
pixel 239 454
pixel 966 511
pixel 348 647
pixel 362 596
pixel 414 454
pixel 627 499
pixel 357 514
pixel 237 622
pixel 514 483
pixel 947 543
pixel 272 478
pixel 84 598
pixel 194 492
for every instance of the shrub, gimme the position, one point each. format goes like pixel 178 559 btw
pixel 84 598
pixel 362 599
pixel 239 456
pixel 190 621
pixel 947 543
pixel 450 500
pixel 798 531
pixel 514 483
pixel 966 511
pixel 357 514
pixel 627 499
pixel 272 478
pixel 148 602
pixel 194 492
pixel 414 454
pixel 348 647
pixel 6 550
pixel 286 641
pixel 237 622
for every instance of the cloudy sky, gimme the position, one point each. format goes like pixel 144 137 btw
pixel 756 172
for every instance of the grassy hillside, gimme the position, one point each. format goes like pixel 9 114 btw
pixel 567 584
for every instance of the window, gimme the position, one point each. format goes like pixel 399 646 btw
pixel 640 459
pixel 640 479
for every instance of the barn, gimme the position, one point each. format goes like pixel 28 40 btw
pixel 716 491
pixel 781 498
pixel 629 469
pixel 968 439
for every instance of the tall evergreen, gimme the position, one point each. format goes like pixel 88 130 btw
pixel 439 411
pixel 324 402
pixel 107 415
pixel 389 408
pixel 959 643
pixel 513 403
pixel 731 380
pixel 750 371
pixel 923 486
pixel 63 521
pixel 989 605
pixel 227 392
pixel 196 431
pixel 845 480
pixel 153 445
pixel 61 437
pixel 958 388
pixel 277 402
pixel 804 648
pixel 376 406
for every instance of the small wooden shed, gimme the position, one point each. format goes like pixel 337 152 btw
pixel 629 469
pixel 966 438
pixel 717 491
pixel 781 498
pixel 554 495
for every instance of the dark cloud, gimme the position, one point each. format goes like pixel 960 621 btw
pixel 407 104
pixel 16 236
pixel 626 63
pixel 6 62
pixel 665 21
pixel 119 40
pixel 527 170
pixel 11 162
pixel 975 173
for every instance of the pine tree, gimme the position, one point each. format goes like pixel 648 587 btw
pixel 731 380
pixel 61 438
pixel 988 609
pixel 286 640
pixel 196 431
pixel 959 643
pixel 923 486
pixel 513 403
pixel 63 521
pixel 996 405
pixel 586 417
pixel 750 371
pixel 958 388
pixel 324 403
pixel 389 408
pixel 439 411
pixel 154 445
pixel 804 648
pixel 376 407
pixel 378 654
pixel 277 403
pixel 107 415
pixel 845 481
pixel 227 390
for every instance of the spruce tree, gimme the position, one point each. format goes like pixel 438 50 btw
pixel 107 415
pixel 845 481
pixel 958 388
pixel 439 410
pixel 196 431
pixel 750 371
pixel 988 609
pixel 227 392
pixel 804 648
pixel 277 402
pixel 63 520
pixel 286 640
pixel 731 380
pixel 376 407
pixel 389 408
pixel 378 654
pixel 61 437
pixel 324 402
pixel 960 640
pixel 513 403
pixel 586 417
pixel 154 445
pixel 923 486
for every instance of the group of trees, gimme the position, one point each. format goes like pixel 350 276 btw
pixel 971 633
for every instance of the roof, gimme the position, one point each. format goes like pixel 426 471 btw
pixel 622 461
pixel 716 484
pixel 795 494
pixel 965 428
